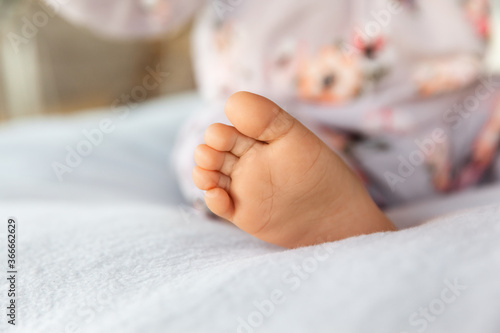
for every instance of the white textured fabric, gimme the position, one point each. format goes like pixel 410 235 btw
pixel 133 163
pixel 113 248
pixel 146 268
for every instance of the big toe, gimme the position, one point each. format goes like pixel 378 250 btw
pixel 258 117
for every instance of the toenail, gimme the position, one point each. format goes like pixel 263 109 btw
pixel 210 194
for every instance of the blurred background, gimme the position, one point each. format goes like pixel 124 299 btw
pixel 62 68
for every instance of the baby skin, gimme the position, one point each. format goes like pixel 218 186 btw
pixel 275 179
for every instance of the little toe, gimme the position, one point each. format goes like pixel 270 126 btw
pixel 207 179
pixel 227 138
pixel 220 203
pixel 211 159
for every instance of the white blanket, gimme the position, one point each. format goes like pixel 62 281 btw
pixel 148 268
pixel 114 249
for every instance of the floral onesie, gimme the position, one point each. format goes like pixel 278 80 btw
pixel 397 87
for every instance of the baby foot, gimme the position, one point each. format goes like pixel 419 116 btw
pixel 276 180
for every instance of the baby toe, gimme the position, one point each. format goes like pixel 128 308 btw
pixel 227 138
pixel 206 179
pixel 220 203
pixel 211 159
